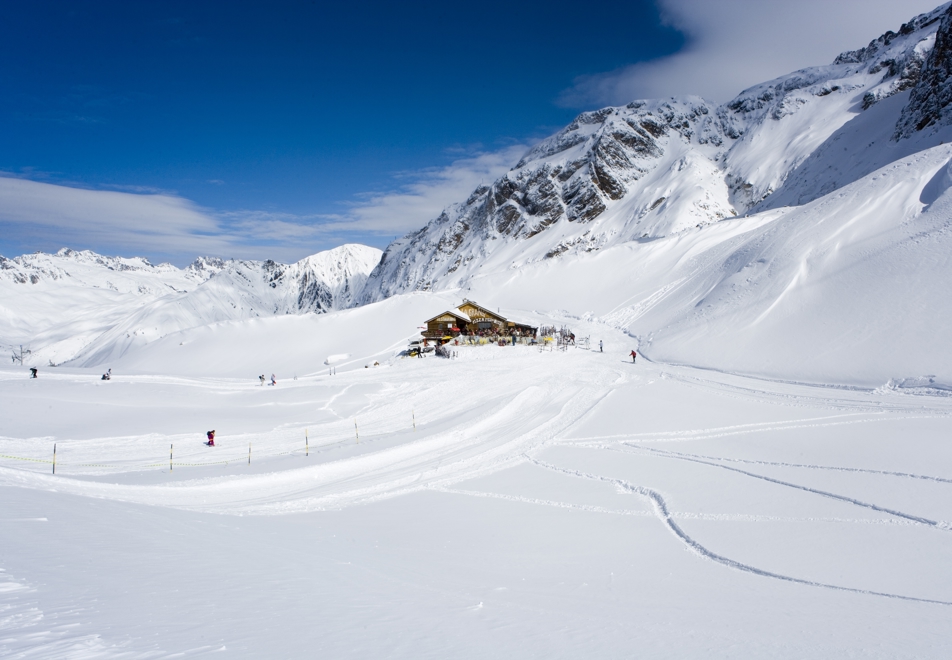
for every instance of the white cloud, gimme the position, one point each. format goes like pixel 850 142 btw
pixel 416 203
pixel 34 214
pixel 734 44
pixel 163 223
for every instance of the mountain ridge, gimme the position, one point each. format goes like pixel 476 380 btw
pixel 67 304
pixel 653 168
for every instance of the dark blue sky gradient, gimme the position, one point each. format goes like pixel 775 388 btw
pixel 292 106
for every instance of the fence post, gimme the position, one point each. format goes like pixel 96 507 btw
pixel 249 453
pixel 170 458
pixel 356 432
pixel 306 450
pixel 54 458
pixel 412 412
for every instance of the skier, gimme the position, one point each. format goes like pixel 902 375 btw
pixel 274 381
pixel 262 379
pixel 211 438
pixel 32 372
pixel 633 356
pixel 601 346
pixel 107 375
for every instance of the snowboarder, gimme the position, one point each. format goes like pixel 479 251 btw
pixel 274 380
pixel 262 379
pixel 32 372
pixel 107 375
pixel 633 356
pixel 211 438
pixel 601 346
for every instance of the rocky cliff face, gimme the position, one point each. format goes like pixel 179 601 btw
pixel 932 92
pixel 655 168
pixel 618 163
pixel 320 283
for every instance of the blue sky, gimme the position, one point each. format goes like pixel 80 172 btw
pixel 277 129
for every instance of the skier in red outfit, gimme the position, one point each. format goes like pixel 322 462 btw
pixel 633 356
pixel 211 438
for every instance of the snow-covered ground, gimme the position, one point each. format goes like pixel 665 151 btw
pixel 546 503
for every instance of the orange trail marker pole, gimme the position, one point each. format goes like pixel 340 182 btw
pixel 54 458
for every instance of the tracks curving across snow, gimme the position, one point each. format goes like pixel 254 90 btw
pixel 823 493
pixel 662 512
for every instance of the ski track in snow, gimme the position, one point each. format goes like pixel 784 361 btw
pixel 530 415
pixel 726 431
pixel 833 468
pixel 816 491
pixel 677 515
pixel 660 508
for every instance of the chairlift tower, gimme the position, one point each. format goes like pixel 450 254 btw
pixel 18 357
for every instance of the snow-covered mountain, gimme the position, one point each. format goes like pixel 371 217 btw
pixel 244 289
pixel 77 302
pixel 653 169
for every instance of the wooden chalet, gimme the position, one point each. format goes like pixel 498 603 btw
pixel 473 319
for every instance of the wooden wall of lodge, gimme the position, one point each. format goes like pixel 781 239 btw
pixel 438 327
pixel 443 324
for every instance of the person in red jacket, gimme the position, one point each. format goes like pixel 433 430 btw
pixel 633 356
pixel 211 438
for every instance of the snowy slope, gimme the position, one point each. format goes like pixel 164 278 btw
pixel 656 168
pixel 57 303
pixel 850 288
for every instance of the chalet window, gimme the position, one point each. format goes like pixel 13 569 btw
pixel 485 325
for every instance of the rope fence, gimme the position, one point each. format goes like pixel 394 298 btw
pixel 57 462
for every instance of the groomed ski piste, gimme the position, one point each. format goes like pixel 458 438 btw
pixel 511 502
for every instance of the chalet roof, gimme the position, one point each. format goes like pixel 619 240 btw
pixel 452 312
pixel 484 309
